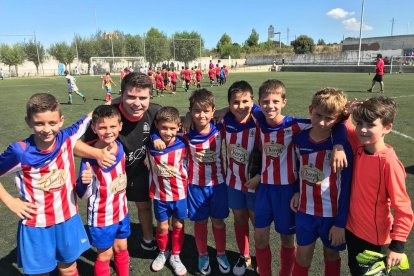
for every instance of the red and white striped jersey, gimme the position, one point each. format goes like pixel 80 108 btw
pixel 278 153
pixel 168 176
pixel 106 194
pixel 205 160
pixel 241 139
pixel 322 192
pixel 46 178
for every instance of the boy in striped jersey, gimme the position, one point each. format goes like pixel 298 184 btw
pixel 105 189
pixel 322 204
pixel 168 188
pixel 51 231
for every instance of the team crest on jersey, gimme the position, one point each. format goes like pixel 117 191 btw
pixel 119 183
pixel 238 154
pixel 312 175
pixel 146 128
pixel 53 181
pixel 273 149
pixel 252 133
pixel 206 156
pixel 166 171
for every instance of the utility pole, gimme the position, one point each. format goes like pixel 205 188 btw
pixel 360 33
pixel 392 26
pixel 287 36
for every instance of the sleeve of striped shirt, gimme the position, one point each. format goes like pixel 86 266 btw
pixel 77 130
pixel 83 191
pixel 10 159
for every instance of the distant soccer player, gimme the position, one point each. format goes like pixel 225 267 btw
pixel 211 75
pixel 50 231
pixel 72 87
pixel 107 83
pixel 108 218
pixel 159 84
pixel 379 73
pixel 199 76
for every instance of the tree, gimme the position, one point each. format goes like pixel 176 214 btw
pixel 31 52
pixel 109 41
pixel 232 50
pixel 253 39
pixel 12 56
pixel 186 46
pixel 224 40
pixel 303 44
pixel 321 42
pixel 134 45
pixel 63 53
pixel 87 48
pixel 157 47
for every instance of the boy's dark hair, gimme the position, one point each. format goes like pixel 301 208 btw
pixel 237 87
pixel 377 107
pixel 379 56
pixel 272 87
pixel 41 102
pixel 66 72
pixel 137 80
pixel 168 114
pixel 202 97
pixel 104 111
pixel 107 73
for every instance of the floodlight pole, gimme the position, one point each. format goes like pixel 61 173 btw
pixel 37 51
pixel 360 33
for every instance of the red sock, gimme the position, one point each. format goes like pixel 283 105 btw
pixel 287 259
pixel 299 270
pixel 101 268
pixel 121 260
pixel 333 268
pixel 177 240
pixel 220 238
pixel 162 240
pixel 200 234
pixel 264 259
pixel 242 238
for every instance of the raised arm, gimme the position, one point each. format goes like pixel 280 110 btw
pixel 103 156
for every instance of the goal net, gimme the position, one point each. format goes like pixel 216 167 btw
pixel 102 65
pixel 401 64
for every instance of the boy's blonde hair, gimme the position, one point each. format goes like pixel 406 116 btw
pixel 272 87
pixel 331 100
pixel 202 97
pixel 168 114
pixel 377 107
pixel 41 102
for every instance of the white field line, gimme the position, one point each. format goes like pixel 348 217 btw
pixel 405 96
pixel 403 135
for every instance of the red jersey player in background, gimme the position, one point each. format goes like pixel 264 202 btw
pixel 379 73
pixel 199 76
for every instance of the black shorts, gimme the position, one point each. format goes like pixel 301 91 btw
pixel 377 78
pixel 138 188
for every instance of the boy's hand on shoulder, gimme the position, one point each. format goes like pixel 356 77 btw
pixel 21 208
pixel 220 113
pixel 87 174
pixel 159 144
pixel 393 258
pixel 337 235
pixel 338 158
pixel 105 158
pixel 253 182
pixel 294 202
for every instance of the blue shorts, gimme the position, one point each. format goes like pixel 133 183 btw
pixel 309 228
pixel 163 210
pixel 273 204
pixel 207 201
pixel 241 200
pixel 40 249
pixel 109 90
pixel 104 237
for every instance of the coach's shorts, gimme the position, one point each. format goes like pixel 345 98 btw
pixel 273 204
pixel 40 249
pixel 163 210
pixel 377 78
pixel 104 237
pixel 138 188
pixel 241 200
pixel 309 228
pixel 207 201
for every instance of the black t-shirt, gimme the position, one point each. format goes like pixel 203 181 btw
pixel 134 137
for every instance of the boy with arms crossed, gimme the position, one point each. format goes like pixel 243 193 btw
pixel 108 219
pixel 51 231
pixel 322 204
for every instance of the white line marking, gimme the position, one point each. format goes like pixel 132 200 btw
pixel 405 96
pixel 403 135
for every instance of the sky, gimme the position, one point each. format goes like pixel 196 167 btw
pixel 330 20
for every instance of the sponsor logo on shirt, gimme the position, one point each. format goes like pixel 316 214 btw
pixel 119 184
pixel 273 149
pixel 146 128
pixel 311 175
pixel 238 154
pixel 165 170
pixel 53 181
pixel 206 156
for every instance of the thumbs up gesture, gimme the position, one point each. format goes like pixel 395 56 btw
pixel 106 158
pixel 87 174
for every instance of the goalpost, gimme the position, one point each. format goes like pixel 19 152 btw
pixel 102 65
pixel 400 63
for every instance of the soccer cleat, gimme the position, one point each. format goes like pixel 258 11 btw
pixel 204 265
pixel 149 246
pixel 159 262
pixel 84 99
pixel 369 90
pixel 69 102
pixel 223 263
pixel 177 266
pixel 241 266
pixel 373 263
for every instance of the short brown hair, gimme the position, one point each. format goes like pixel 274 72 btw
pixel 331 100
pixel 202 97
pixel 105 111
pixel 272 87
pixel 376 107
pixel 41 102
pixel 168 114
pixel 239 87
pixel 137 80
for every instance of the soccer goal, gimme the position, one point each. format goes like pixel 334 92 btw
pixel 102 65
pixel 400 64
